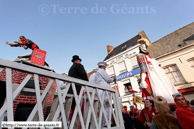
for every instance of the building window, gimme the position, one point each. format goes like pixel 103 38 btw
pixel 134 62
pixel 111 71
pixel 191 62
pixel 122 67
pixel 174 74
pixel 128 88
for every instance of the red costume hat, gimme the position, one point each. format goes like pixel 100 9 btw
pixel 135 110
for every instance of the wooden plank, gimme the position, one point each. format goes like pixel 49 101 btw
pixel 96 110
pixel 61 104
pixel 87 113
pixel 3 108
pixel 38 98
pixel 96 105
pixel 112 112
pixel 119 109
pixel 87 109
pixel 56 115
pixel 9 95
pixel 102 110
pixel 77 107
pixel 64 94
pixel 110 104
pixel 68 101
pixel 91 106
pixel 47 88
pixel 116 110
pixel 2 119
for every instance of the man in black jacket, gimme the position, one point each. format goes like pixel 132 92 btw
pixel 77 70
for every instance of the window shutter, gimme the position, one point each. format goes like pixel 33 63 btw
pixel 122 67
pixel 111 71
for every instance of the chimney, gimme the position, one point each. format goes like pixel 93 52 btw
pixel 143 35
pixel 109 48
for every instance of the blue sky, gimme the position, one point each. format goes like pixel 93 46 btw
pixel 65 28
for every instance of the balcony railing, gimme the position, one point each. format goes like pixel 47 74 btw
pixel 94 110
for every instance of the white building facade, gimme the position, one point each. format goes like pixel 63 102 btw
pixel 126 70
pixel 122 64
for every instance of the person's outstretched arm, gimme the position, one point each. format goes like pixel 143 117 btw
pixel 12 45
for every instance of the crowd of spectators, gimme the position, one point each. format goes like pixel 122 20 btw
pixel 158 114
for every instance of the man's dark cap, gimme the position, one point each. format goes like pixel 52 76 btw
pixel 75 57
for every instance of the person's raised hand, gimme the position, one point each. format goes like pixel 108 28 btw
pixel 8 43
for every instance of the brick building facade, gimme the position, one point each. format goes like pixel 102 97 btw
pixel 26 98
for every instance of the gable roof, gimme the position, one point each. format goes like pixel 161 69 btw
pixel 124 46
pixel 173 41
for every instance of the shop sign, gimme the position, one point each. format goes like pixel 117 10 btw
pixel 128 74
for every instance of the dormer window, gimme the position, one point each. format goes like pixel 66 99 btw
pixel 124 46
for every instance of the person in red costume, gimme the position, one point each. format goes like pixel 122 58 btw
pixel 23 42
pixel 125 109
pixel 184 114
pixel 154 81
pixel 137 122
pixel 147 114
pixel 144 70
pixel 137 114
